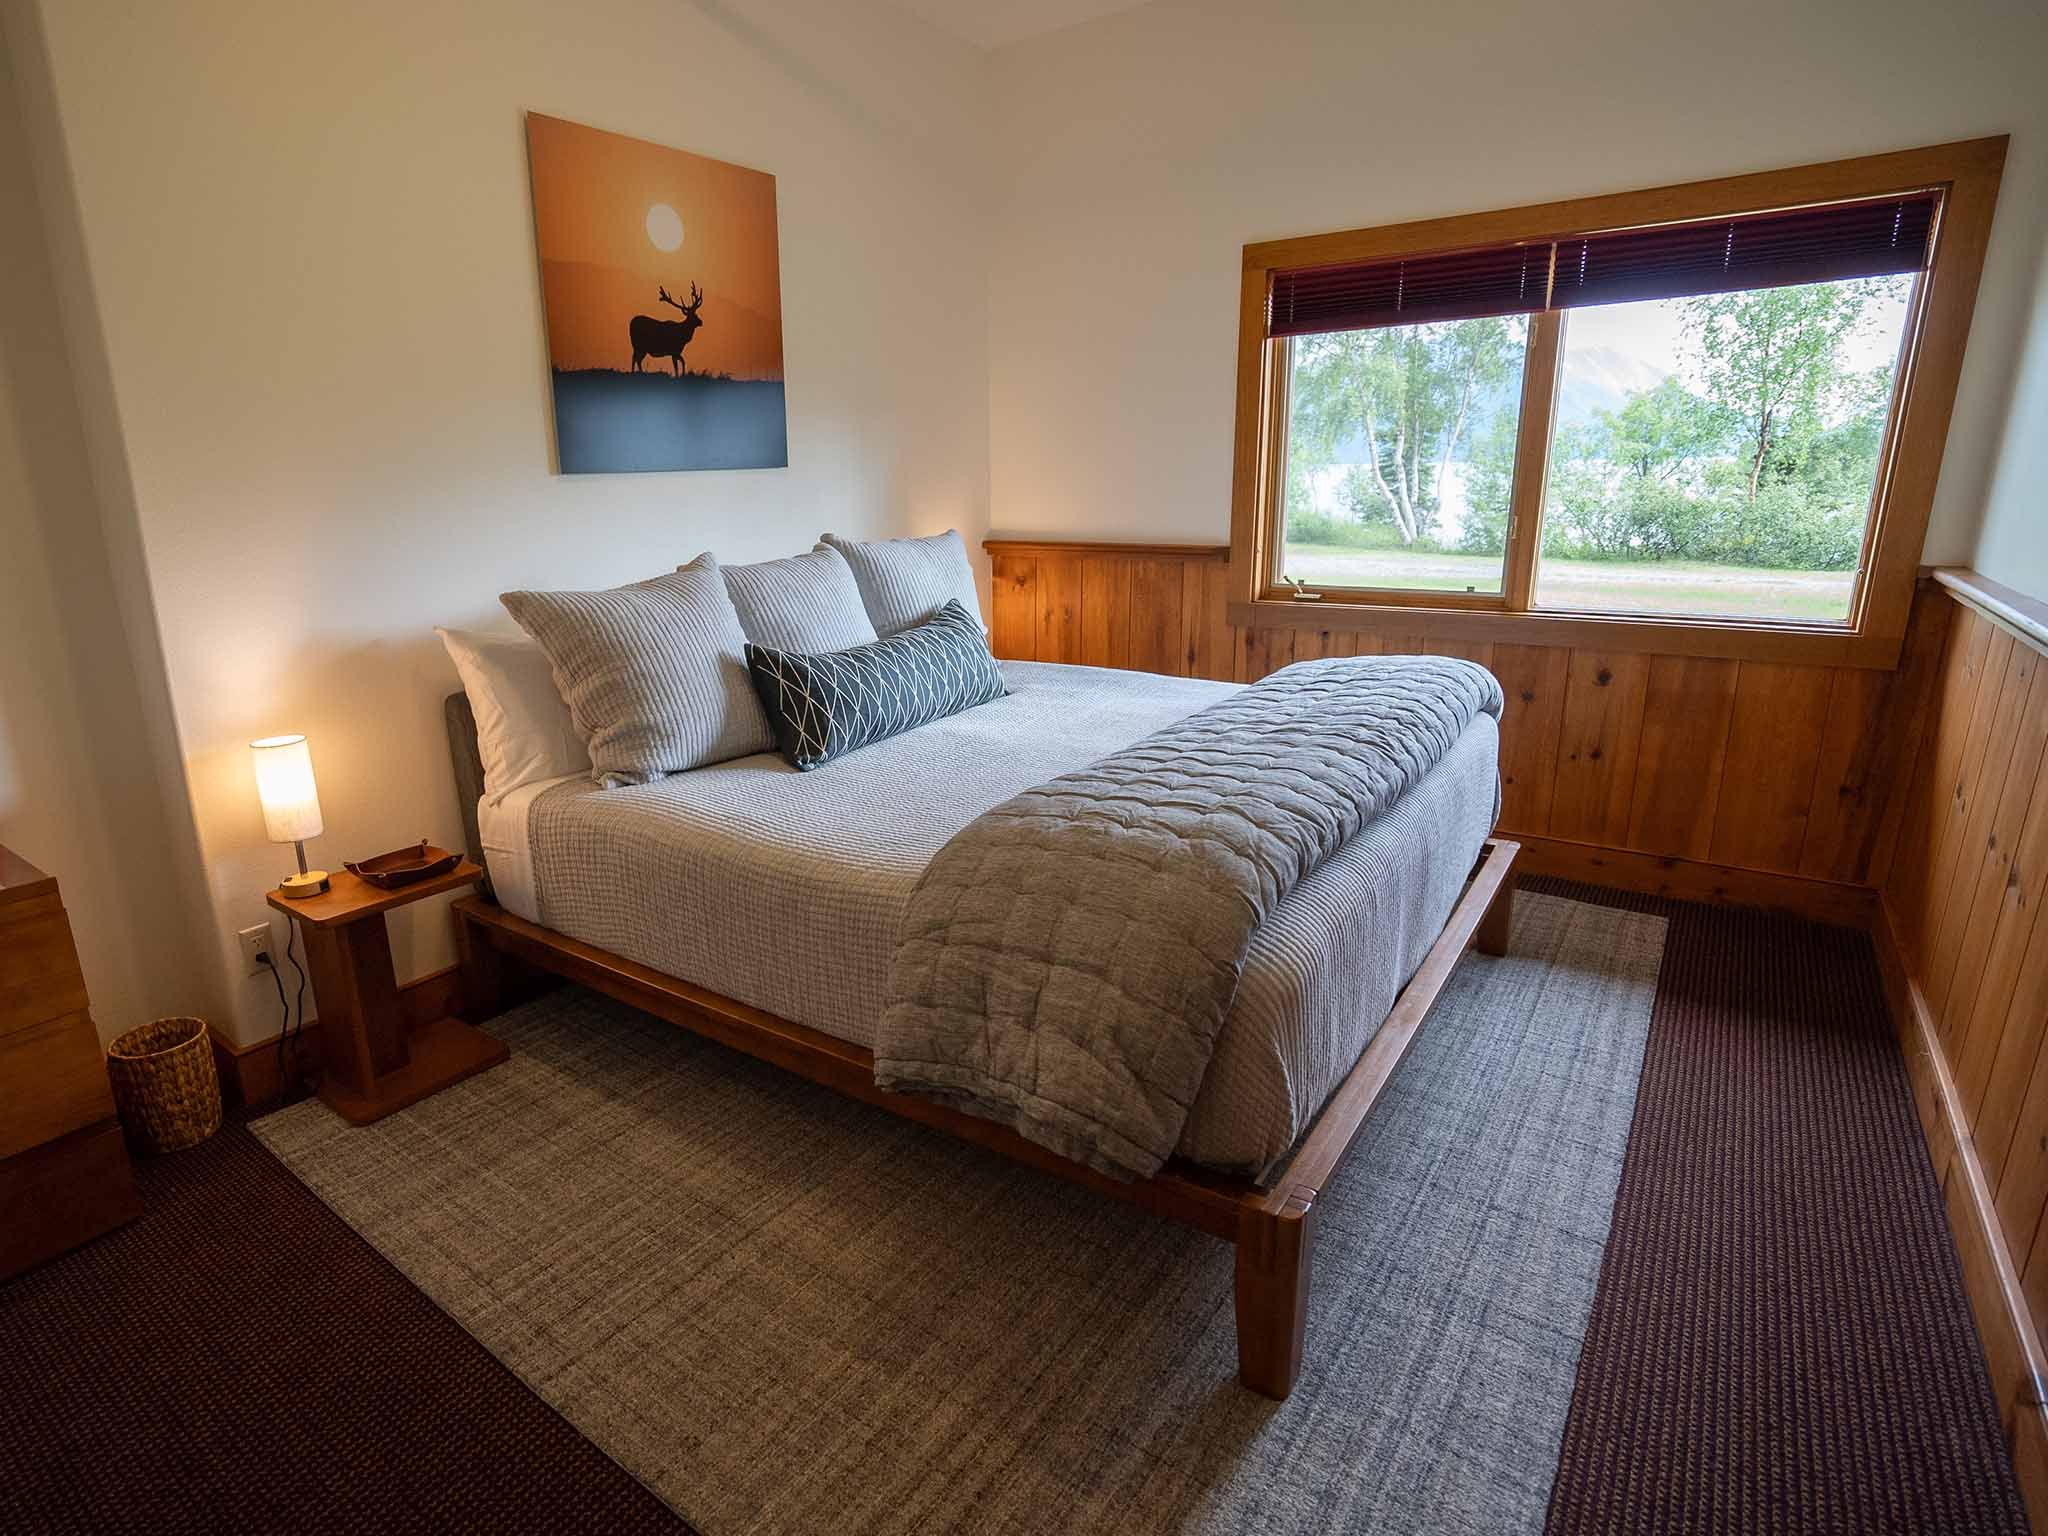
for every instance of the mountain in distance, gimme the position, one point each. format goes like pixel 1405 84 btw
pixel 1602 379
pixel 1595 379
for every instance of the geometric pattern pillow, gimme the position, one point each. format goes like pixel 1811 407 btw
pixel 825 706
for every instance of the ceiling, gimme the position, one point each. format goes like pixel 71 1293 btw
pixel 992 23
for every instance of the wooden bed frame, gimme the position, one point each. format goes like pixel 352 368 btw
pixel 1273 1227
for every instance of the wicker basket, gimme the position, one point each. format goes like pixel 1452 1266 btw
pixel 165 1084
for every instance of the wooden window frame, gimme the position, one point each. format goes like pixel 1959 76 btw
pixel 1923 400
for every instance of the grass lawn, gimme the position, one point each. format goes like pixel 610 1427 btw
pixel 1626 586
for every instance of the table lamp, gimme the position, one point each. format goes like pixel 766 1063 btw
pixel 291 805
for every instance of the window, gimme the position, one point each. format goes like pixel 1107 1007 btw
pixel 1386 429
pixel 1683 407
pixel 1717 455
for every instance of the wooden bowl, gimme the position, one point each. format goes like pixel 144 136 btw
pixel 405 866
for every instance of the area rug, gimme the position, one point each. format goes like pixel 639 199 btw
pixel 783 1311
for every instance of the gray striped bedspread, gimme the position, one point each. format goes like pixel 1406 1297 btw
pixel 785 890
pixel 1068 959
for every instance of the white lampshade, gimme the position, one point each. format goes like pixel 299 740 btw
pixel 284 780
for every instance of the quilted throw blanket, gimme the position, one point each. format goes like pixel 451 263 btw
pixel 1067 960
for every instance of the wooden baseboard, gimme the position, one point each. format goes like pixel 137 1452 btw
pixel 1822 901
pixel 2029 1438
pixel 249 1073
pixel 2012 1347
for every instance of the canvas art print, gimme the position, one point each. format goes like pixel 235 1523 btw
pixel 661 281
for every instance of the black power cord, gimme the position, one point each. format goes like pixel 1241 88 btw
pixel 299 1010
pixel 284 1028
pixel 292 1023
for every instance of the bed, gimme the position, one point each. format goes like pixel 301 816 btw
pixel 759 906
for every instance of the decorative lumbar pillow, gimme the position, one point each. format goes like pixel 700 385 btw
pixel 805 603
pixel 907 581
pixel 654 674
pixel 827 706
pixel 523 729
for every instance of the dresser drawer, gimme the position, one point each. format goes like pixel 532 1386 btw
pixel 53 1079
pixel 64 1174
pixel 39 975
pixel 63 1193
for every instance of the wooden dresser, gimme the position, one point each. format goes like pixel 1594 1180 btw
pixel 64 1174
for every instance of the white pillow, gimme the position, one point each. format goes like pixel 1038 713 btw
pixel 523 729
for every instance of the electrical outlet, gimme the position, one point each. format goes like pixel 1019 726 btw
pixel 255 941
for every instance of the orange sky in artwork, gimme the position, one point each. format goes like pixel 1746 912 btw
pixel 593 194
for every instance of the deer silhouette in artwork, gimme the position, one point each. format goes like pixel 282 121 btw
pixel 667 338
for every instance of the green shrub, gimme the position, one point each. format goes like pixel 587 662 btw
pixel 1640 519
pixel 1311 527
pixel 1787 527
pixel 1485 531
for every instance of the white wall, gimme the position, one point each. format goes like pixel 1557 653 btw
pixel 78 793
pixel 306 238
pixel 2013 545
pixel 1139 153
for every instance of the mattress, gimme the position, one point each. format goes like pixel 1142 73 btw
pixel 783 890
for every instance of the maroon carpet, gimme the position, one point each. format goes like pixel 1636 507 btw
pixel 239 1360
pixel 1780 1340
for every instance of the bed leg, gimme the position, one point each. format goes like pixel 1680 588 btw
pixel 483 970
pixel 1492 935
pixel 1273 1263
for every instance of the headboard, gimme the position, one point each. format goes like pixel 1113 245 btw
pixel 469 775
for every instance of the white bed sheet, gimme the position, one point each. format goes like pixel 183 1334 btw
pixel 501 827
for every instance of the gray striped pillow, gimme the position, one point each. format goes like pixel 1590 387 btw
pixel 805 603
pixel 654 674
pixel 907 581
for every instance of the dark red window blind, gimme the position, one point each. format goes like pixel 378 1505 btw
pixel 1456 285
pixel 1871 238
pixel 1766 250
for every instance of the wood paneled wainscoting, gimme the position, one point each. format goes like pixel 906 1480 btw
pixel 1714 779
pixel 1148 607
pixel 1965 957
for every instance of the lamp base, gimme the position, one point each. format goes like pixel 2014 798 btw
pixel 309 883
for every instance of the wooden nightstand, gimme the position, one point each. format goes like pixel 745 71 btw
pixel 371 1064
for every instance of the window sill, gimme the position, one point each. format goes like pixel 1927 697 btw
pixel 1822 645
pixel 2025 616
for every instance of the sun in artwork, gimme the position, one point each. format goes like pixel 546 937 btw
pixel 665 227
